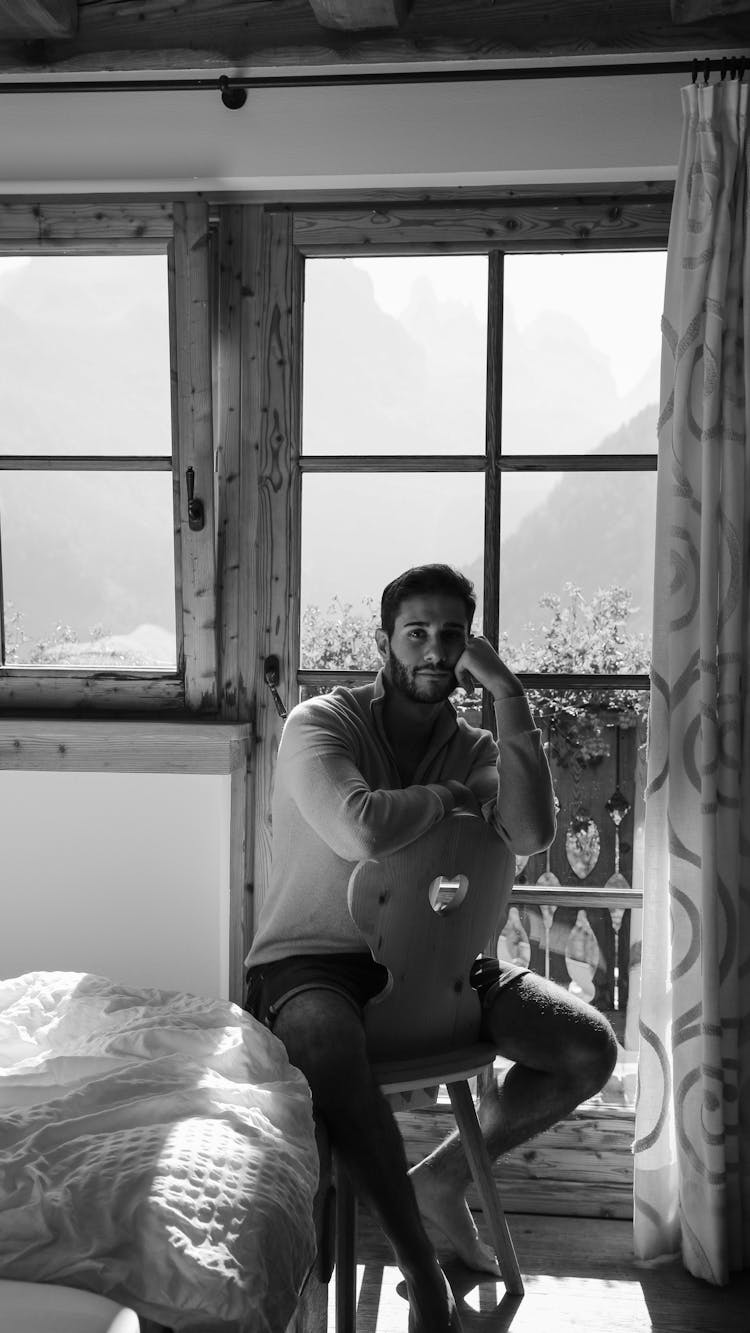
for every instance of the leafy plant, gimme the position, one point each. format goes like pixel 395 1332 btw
pixel 61 646
pixel 580 637
pixel 340 638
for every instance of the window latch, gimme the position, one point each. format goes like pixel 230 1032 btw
pixel 196 514
pixel 272 677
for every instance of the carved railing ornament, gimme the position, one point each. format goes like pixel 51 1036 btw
pixel 582 845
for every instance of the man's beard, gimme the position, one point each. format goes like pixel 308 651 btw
pixel 406 680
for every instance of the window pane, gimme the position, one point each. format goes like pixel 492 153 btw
pixel 587 539
pixel 84 355
pixel 395 355
pixel 581 352
pixel 88 568
pixel 358 533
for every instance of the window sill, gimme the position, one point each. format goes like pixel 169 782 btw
pixel 73 745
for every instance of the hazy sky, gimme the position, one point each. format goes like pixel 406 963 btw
pixel 620 293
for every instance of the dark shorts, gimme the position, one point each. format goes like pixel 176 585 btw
pixel 356 976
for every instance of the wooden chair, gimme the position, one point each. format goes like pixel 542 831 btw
pixel 426 912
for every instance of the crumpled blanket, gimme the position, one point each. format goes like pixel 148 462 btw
pixel 155 1147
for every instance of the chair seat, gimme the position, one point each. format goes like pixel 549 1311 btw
pixel 426 1071
pixel 46 1307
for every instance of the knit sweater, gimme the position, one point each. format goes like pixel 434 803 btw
pixel 338 799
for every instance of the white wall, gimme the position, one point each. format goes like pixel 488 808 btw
pixel 590 129
pixel 125 875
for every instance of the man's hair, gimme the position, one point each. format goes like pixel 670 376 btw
pixel 419 581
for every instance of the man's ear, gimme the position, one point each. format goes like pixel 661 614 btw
pixel 381 639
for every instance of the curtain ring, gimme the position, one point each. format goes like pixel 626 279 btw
pixel 695 72
pixel 741 68
pixel 724 63
pixel 706 70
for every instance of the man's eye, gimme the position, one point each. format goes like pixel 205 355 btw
pixel 416 634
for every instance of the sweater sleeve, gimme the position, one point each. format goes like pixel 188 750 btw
pixel 318 768
pixel 512 780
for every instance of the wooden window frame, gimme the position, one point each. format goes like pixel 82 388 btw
pixel 180 230
pixel 628 217
pixel 259 250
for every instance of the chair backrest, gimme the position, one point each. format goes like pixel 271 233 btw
pixel 426 912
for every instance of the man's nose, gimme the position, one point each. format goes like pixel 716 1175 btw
pixel 435 652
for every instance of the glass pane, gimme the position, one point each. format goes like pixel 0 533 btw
pixel 358 533
pixel 581 352
pixel 395 355
pixel 88 568
pixel 84 355
pixel 576 575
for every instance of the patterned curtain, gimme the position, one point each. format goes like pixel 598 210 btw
pixel 692 1150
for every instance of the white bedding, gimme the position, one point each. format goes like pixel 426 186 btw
pixel 155 1147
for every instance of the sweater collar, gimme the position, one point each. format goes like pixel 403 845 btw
pixel 446 722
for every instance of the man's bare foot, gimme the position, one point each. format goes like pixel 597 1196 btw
pixel 445 1208
pixel 432 1308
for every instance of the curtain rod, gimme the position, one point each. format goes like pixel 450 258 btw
pixel 234 88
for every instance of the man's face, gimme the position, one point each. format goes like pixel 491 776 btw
pixel 429 636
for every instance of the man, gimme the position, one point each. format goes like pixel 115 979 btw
pixel 362 773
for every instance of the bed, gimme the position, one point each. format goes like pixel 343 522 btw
pixel 157 1148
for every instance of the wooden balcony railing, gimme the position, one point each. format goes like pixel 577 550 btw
pixel 585 939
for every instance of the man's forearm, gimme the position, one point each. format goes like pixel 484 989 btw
pixel 505 685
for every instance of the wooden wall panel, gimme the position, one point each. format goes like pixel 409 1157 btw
pixel 238 841
pixel 192 345
pixel 581 1167
pixel 232 570
pixel 195 34
pixel 521 224
pixel 85 226
pixel 271 365
pixel 108 745
pixel 237 264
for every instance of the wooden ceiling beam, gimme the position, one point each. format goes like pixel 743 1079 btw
pixel 360 15
pixel 119 35
pixel 36 20
pixel 694 11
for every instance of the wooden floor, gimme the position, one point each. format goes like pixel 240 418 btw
pixel 579 1275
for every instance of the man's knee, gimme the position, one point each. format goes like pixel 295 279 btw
pixel 537 1023
pixel 591 1050
pixel 324 1037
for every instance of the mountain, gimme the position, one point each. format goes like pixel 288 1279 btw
pixel 593 529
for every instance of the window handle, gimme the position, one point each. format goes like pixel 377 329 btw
pixel 196 515
pixel 271 677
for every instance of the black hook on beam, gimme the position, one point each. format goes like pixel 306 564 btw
pixel 233 95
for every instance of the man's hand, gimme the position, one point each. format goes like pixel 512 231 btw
pixel 479 664
pixel 466 801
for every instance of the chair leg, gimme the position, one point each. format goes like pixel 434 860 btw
pixel 481 1169
pixel 346 1252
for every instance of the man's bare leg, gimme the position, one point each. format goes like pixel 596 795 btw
pixel 564 1052
pixel 324 1037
